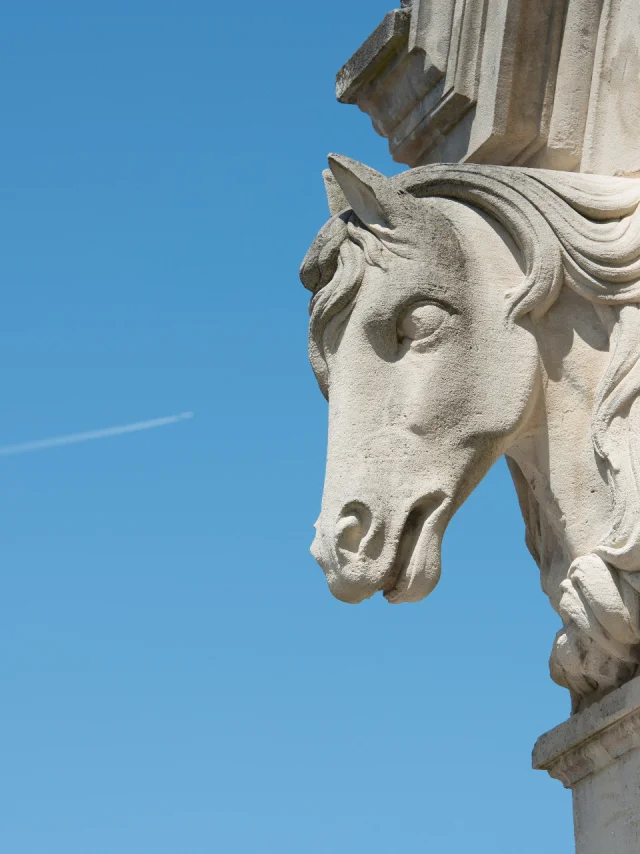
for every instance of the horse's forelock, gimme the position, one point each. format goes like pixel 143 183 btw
pixel 430 228
pixel 335 264
pixel 321 261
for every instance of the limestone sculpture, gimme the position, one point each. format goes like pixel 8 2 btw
pixel 461 312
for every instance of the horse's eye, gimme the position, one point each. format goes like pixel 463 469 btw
pixel 421 321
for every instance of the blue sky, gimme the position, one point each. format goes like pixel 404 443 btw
pixel 176 678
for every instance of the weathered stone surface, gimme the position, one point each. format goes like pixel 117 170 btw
pixel 595 754
pixel 552 84
pixel 380 49
pixel 460 313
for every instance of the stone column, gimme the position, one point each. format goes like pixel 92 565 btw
pixel 595 754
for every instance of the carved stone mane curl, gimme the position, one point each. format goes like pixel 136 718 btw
pixel 573 229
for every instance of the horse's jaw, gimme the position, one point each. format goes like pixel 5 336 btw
pixel 555 453
pixel 568 505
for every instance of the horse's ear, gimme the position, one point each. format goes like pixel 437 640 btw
pixel 335 197
pixel 368 193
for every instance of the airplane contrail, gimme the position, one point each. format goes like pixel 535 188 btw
pixel 105 433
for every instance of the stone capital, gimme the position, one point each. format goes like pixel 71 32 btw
pixel 592 740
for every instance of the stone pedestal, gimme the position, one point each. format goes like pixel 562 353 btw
pixel 596 755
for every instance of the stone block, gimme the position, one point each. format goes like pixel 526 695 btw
pixel 552 84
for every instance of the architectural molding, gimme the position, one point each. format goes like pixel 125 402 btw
pixel 552 84
pixel 592 740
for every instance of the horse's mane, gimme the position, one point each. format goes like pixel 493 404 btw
pixel 573 229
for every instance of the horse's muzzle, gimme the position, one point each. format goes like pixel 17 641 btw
pixel 362 554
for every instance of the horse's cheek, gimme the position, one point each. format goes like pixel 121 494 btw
pixel 505 379
pixel 428 393
pixel 523 377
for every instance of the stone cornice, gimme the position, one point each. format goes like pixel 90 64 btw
pixel 593 739
pixel 389 38
pixel 551 83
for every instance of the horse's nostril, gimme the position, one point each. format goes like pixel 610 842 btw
pixel 352 527
pixel 350 533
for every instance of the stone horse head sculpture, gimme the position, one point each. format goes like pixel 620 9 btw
pixel 462 312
